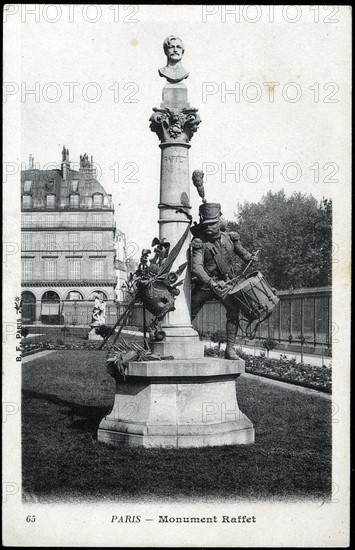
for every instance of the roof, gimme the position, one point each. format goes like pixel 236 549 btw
pixel 47 182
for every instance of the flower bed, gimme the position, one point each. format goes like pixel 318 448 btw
pixel 286 370
pixel 28 348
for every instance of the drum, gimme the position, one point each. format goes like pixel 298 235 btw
pixel 254 297
pixel 158 298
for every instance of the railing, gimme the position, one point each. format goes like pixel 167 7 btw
pixel 69 224
pixel 68 282
pixel 303 312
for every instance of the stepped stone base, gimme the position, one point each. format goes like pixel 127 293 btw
pixel 178 403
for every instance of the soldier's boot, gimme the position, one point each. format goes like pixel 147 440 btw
pixel 231 336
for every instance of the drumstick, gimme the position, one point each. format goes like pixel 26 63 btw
pixel 250 261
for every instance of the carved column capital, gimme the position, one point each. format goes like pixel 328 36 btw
pixel 174 125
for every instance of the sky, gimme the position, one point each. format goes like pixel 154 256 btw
pixel 96 74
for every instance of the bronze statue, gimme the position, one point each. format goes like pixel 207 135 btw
pixel 174 50
pixel 212 254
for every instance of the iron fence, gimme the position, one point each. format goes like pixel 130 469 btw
pixel 302 313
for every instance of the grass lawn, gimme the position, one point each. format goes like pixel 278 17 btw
pixel 67 393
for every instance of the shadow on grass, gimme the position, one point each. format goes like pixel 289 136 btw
pixel 66 394
pixel 91 416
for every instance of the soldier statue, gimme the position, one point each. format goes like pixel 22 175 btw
pixel 212 254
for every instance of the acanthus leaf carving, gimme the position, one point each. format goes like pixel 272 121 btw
pixel 174 124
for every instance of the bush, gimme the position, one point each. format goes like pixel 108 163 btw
pixel 24 331
pixel 287 370
pixel 103 330
pixel 269 344
pixel 218 336
pixel 213 352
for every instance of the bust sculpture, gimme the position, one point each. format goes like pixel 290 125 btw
pixel 174 49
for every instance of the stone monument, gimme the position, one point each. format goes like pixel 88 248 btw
pixel 189 400
pixel 98 318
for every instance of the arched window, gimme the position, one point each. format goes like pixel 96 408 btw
pixel 50 296
pixel 28 304
pixel 74 295
pixel 51 307
pixel 98 293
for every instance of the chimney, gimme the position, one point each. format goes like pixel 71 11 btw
pixel 31 162
pixel 65 163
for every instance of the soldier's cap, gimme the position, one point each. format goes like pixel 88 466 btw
pixel 210 212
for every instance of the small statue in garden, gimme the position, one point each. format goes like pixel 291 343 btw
pixel 99 312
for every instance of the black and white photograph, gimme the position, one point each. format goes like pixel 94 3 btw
pixel 177 263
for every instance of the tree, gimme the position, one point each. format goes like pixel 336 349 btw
pixel 269 344
pixel 294 236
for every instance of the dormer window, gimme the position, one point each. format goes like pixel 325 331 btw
pixel 74 201
pixel 74 186
pixel 97 200
pixel 26 201
pixel 50 201
pixel 27 186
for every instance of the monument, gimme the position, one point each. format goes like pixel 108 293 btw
pixel 180 399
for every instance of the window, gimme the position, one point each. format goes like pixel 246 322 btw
pixel 97 241
pixel 27 270
pixel 98 293
pixel 50 296
pixel 26 201
pixel 26 220
pixel 97 200
pixel 74 270
pixel 50 270
pixel 74 295
pixel 74 201
pixel 50 201
pixel 97 220
pixel 51 241
pixel 73 241
pixel 26 241
pixel 27 186
pixel 74 186
pixel 50 220
pixel 97 269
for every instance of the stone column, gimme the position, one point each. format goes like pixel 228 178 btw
pixel 175 122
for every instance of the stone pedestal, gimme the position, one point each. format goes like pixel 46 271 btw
pixel 178 403
pixel 93 336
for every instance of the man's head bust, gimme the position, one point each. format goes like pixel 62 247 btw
pixel 174 50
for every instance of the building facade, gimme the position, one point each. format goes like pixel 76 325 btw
pixel 68 233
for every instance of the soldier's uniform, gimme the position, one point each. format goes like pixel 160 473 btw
pixel 211 262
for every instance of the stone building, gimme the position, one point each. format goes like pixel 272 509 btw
pixel 68 233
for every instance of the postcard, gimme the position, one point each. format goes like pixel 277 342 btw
pixel 176 289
